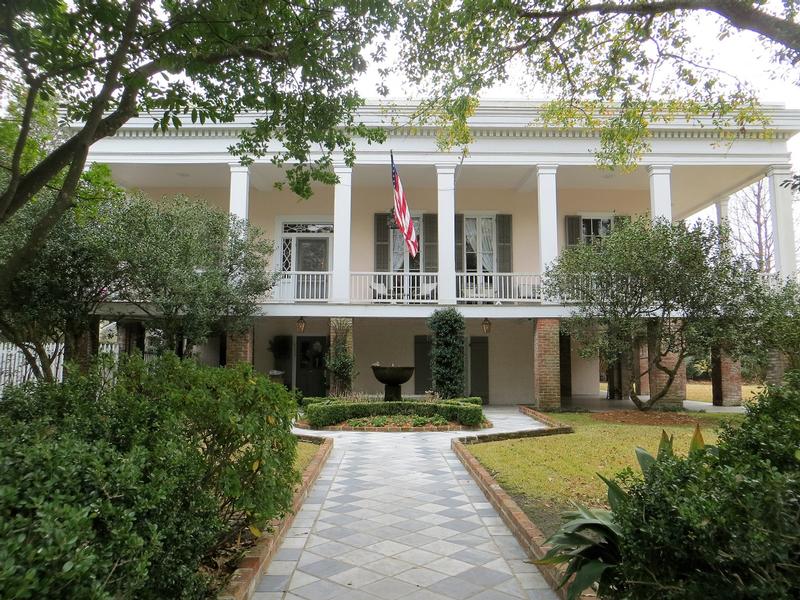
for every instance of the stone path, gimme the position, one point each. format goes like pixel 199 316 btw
pixel 395 516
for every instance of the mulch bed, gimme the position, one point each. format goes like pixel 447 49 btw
pixel 637 417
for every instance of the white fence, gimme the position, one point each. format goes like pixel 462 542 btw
pixel 14 369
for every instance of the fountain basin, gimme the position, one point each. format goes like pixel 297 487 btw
pixel 392 378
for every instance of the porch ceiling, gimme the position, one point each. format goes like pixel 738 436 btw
pixel 693 187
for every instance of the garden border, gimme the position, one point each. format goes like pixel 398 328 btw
pixel 245 578
pixel 530 537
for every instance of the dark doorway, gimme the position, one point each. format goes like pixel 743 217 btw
pixel 565 362
pixel 479 367
pixel 311 365
pixel 423 379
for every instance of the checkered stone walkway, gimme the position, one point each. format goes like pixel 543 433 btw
pixel 395 516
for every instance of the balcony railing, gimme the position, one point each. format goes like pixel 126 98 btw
pixel 301 286
pixel 498 288
pixel 394 288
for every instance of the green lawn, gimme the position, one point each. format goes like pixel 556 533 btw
pixel 543 474
pixel 701 391
pixel 305 452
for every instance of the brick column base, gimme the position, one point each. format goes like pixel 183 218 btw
pixel 776 367
pixel 677 392
pixel 726 380
pixel 239 347
pixel 546 364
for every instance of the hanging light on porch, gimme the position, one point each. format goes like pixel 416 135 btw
pixel 486 326
pixel 300 326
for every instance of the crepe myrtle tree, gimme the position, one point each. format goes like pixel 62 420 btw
pixel 680 287
pixel 293 63
pixel 616 66
pixel 192 269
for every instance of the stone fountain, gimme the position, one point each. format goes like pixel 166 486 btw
pixel 392 378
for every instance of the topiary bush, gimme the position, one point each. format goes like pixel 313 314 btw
pixel 323 414
pixel 131 489
pixel 447 352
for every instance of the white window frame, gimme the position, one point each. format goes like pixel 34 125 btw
pixel 596 215
pixel 280 236
pixel 479 215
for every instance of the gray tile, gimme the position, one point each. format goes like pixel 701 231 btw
pixel 273 583
pixel 325 568
pixel 455 587
pixel 321 590
pixel 483 576
pixel 389 588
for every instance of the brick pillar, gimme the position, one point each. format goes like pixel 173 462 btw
pixel 342 327
pixel 239 347
pixel 776 367
pixel 546 364
pixel 130 337
pixel 677 392
pixel 726 379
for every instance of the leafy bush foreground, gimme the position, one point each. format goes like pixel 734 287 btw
pixel 722 522
pixel 133 489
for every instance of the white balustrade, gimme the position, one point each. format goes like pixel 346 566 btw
pixel 394 288
pixel 499 288
pixel 301 286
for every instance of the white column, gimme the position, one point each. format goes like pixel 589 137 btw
pixel 240 190
pixel 548 215
pixel 342 211
pixel 780 198
pixel 660 192
pixel 722 210
pixel 446 185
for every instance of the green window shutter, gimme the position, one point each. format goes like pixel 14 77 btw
pixel 504 247
pixel 381 242
pixel 459 243
pixel 430 242
pixel 573 225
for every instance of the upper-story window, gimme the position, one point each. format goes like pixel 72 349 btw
pixel 588 229
pixel 305 246
pixel 402 262
pixel 480 242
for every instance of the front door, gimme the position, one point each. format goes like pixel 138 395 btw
pixel 310 365
pixel 423 379
pixel 479 367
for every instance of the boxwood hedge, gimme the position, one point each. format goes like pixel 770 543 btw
pixel 316 400
pixel 331 413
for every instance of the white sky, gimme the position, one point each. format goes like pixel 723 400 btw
pixel 741 54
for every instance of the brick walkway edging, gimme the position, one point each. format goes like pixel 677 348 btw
pixel 256 560
pixel 529 536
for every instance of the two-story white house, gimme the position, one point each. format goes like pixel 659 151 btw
pixel 488 224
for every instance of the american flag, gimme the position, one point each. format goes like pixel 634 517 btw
pixel 402 216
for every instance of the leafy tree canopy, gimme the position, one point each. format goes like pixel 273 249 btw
pixel 616 66
pixel 104 62
pixel 680 287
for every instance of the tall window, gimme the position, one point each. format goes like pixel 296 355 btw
pixel 305 246
pixel 401 259
pixel 480 244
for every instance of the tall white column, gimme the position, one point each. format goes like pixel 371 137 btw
pixel 240 190
pixel 780 199
pixel 722 210
pixel 660 192
pixel 548 215
pixel 342 212
pixel 446 186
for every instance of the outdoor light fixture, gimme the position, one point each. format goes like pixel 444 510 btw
pixel 300 325
pixel 486 326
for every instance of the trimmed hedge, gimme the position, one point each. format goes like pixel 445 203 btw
pixel 333 413
pixel 305 402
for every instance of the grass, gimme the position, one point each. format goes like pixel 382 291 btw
pixel 700 391
pixel 544 474
pixel 305 452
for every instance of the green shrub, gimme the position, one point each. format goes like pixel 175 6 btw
pixel 447 352
pixel 332 413
pixel 126 490
pixel 722 522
